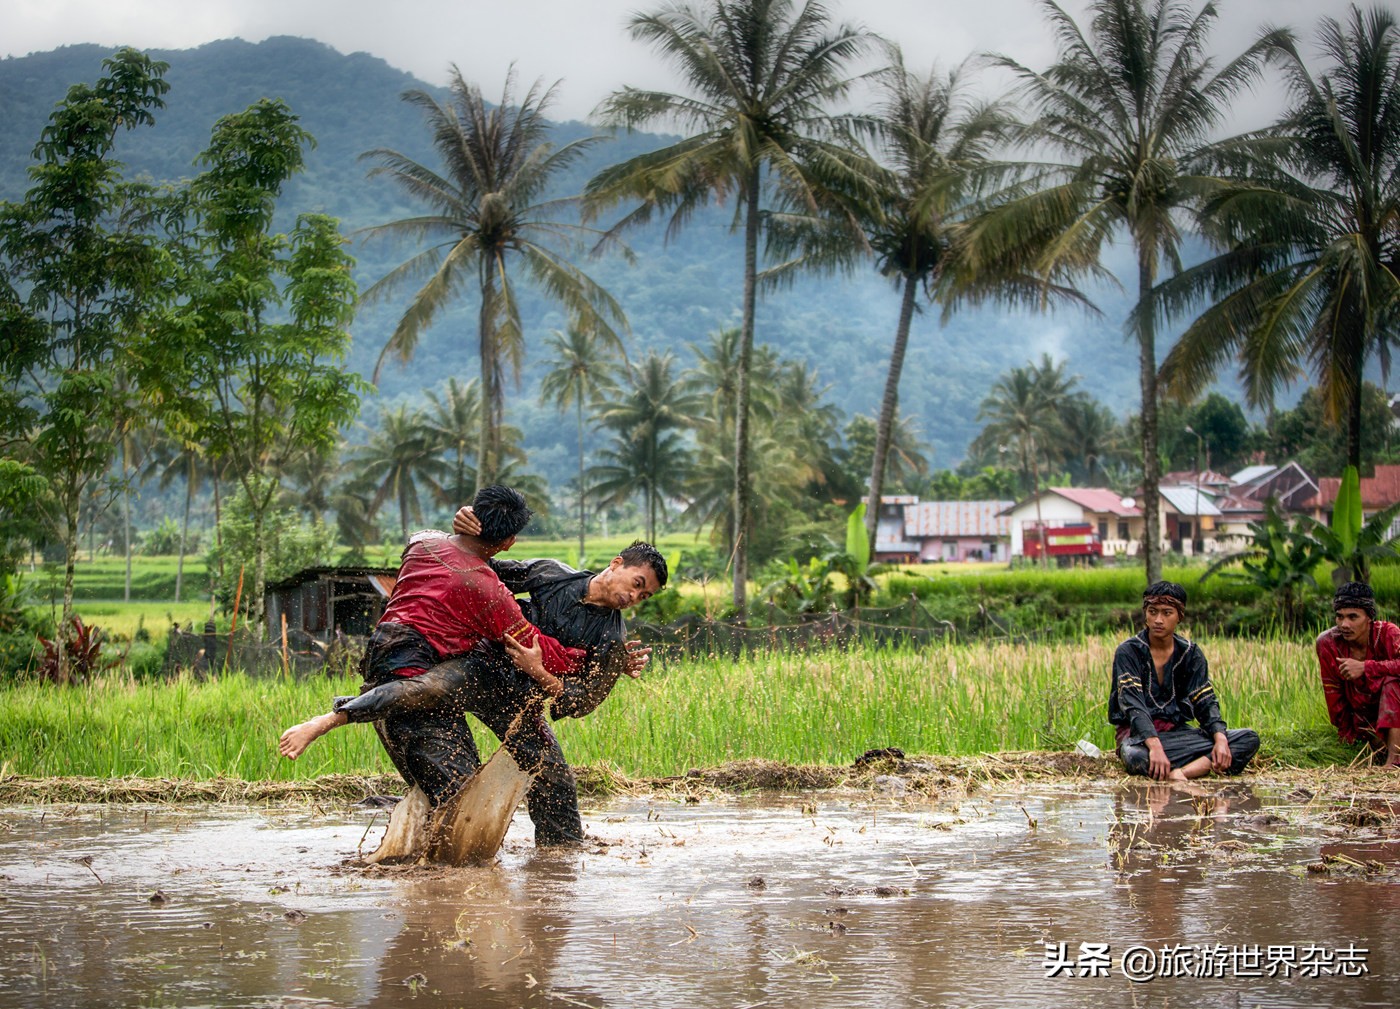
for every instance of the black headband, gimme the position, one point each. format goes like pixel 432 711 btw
pixel 1355 596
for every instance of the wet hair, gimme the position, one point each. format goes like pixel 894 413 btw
pixel 501 511
pixel 643 554
pixel 1165 594
pixel 1356 596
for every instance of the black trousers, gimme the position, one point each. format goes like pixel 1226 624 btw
pixel 1185 745
pixel 420 722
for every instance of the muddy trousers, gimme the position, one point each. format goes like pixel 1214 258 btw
pixel 1185 745
pixel 420 721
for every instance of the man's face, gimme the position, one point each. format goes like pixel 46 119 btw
pixel 1161 620
pixel 623 585
pixel 1354 625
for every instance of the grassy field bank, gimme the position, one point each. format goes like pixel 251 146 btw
pixel 816 708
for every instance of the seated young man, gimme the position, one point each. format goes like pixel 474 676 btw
pixel 446 602
pixel 1359 659
pixel 1160 683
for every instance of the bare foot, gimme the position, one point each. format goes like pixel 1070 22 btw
pixel 295 740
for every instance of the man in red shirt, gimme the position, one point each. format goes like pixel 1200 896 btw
pixel 445 602
pixel 1360 663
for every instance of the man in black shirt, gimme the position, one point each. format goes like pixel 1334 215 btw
pixel 1160 683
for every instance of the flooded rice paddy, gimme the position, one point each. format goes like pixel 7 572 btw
pixel 1041 896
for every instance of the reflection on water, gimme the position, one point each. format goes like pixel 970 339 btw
pixel 742 903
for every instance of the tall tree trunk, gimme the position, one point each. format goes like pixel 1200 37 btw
pixel 126 522
pixel 741 400
pixel 218 522
pixel 1355 367
pixel 581 514
pixel 889 404
pixel 184 525
pixel 1151 465
pixel 255 600
pixel 70 554
pixel 1039 518
pixel 485 457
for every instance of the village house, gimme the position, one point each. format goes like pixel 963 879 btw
pixel 1289 486
pixel 1115 520
pixel 1378 492
pixel 911 531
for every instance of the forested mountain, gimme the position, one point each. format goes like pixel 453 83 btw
pixel 674 295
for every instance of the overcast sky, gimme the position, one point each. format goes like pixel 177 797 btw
pixel 582 42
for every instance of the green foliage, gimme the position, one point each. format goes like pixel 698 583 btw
pixel 1346 512
pixel 1305 281
pixel 1352 554
pixel 1311 436
pixel 801 588
pixel 1281 560
pixel 857 544
pixel 164 540
pixel 75 246
pixel 254 392
pixel 685 713
pixel 286 542
pixel 22 489
pixel 77 658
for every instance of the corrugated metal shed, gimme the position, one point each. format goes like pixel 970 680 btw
pixel 929 519
pixel 1190 501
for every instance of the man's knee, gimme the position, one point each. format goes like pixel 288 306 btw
pixel 1244 744
pixel 1134 757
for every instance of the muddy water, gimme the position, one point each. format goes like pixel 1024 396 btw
pixel 782 901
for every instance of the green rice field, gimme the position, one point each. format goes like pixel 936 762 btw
pixel 823 707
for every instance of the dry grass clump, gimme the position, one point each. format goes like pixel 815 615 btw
pixel 341 787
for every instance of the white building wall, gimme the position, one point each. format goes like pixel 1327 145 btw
pixel 1054 510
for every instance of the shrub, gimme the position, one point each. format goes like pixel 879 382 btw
pixel 83 647
pixel 164 539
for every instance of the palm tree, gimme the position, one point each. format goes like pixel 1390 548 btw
pixel 1092 436
pixel 648 451
pixel 1311 272
pixel 484 212
pixel 579 372
pixel 905 458
pixel 910 199
pixel 454 423
pixel 311 473
pixel 1130 106
pixel 400 455
pixel 761 75
pixel 1022 412
pixel 817 430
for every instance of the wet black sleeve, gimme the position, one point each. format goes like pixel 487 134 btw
pixel 1200 693
pixel 1127 692
pixel 524 577
pixel 585 692
pixel 404 694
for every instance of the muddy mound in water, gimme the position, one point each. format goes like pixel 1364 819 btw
pixel 886 771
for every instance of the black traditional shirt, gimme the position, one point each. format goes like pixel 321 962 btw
pixel 1138 702
pixel 556 594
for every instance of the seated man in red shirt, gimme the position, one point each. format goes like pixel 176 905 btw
pixel 1360 663
pixel 446 601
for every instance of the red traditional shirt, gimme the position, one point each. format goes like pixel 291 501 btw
pixel 1353 704
pixel 455 600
